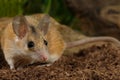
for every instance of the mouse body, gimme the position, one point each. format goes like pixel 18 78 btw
pixel 27 40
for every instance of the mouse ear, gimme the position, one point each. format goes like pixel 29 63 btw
pixel 44 23
pixel 20 26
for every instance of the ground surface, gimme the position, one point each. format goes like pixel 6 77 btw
pixel 93 63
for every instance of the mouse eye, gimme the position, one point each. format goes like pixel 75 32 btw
pixel 30 44
pixel 45 42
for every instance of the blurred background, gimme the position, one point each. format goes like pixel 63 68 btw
pixel 55 8
pixel 90 17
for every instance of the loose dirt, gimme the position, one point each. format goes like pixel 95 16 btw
pixel 93 63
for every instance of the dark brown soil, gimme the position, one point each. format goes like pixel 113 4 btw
pixel 93 63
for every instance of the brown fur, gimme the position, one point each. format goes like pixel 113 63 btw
pixel 56 42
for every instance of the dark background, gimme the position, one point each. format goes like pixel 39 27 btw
pixel 82 15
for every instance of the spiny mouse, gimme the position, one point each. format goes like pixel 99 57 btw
pixel 27 40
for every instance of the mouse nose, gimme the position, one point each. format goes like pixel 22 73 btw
pixel 43 57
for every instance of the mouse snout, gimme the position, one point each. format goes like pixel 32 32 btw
pixel 42 55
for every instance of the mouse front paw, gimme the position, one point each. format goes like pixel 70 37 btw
pixel 11 64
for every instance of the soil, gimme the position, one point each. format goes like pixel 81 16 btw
pixel 92 63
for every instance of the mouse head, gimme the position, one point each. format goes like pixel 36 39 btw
pixel 31 38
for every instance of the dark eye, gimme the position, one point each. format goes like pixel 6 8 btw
pixel 45 42
pixel 30 44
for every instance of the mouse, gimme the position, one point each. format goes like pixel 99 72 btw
pixel 26 40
